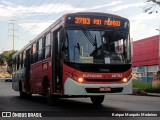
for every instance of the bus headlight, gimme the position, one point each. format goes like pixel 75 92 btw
pixel 80 80
pixel 125 80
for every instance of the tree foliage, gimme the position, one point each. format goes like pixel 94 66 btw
pixel 152 6
pixel 2 60
pixel 6 56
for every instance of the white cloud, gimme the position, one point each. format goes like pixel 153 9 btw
pixel 11 11
pixel 34 28
pixel 113 3
pixel 126 6
pixel 144 25
pixel 6 3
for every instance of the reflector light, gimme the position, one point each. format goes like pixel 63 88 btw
pixel 124 80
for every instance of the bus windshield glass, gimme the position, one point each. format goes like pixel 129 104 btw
pixel 98 47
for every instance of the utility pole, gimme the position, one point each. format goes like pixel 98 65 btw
pixel 12 23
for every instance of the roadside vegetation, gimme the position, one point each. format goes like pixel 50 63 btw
pixel 147 87
pixel 6 60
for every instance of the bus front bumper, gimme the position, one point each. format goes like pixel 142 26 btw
pixel 72 87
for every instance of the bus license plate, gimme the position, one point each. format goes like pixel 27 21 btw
pixel 105 89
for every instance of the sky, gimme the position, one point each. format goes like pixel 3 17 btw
pixel 31 17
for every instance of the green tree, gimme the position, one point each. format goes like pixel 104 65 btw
pixel 1 60
pixel 152 6
pixel 6 56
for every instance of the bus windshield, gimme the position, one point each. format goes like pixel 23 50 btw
pixel 97 47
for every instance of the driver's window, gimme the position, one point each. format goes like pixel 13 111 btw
pixel 106 44
pixel 65 48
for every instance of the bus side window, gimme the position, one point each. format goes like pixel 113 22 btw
pixel 24 58
pixel 17 62
pixel 34 53
pixel 47 49
pixel 40 50
pixel 14 64
pixel 21 60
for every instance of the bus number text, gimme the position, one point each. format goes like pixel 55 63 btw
pixel 81 20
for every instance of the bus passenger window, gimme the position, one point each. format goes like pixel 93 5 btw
pixel 24 58
pixel 34 53
pixel 14 64
pixel 48 51
pixel 18 63
pixel 47 48
pixel 40 50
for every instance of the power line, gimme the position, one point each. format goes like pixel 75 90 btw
pixel 35 10
pixel 45 16
pixel 54 7
pixel 57 8
pixel 34 24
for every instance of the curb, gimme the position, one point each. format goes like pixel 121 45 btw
pixel 143 93
pixel 154 94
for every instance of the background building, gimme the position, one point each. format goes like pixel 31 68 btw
pixel 145 57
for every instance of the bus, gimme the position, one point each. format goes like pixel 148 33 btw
pixel 84 54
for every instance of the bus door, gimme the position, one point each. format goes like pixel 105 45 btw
pixel 57 62
pixel 28 63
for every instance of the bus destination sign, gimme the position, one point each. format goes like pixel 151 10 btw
pixel 90 20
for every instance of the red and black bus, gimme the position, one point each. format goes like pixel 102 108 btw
pixel 85 54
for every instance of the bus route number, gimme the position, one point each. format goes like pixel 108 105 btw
pixel 82 20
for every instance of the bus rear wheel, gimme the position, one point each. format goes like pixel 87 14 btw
pixel 97 100
pixel 24 94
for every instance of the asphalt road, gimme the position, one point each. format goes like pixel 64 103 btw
pixel 77 108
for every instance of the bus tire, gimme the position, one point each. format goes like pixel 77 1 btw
pixel 97 100
pixel 51 99
pixel 23 94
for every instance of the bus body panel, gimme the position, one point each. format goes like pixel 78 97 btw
pixel 38 72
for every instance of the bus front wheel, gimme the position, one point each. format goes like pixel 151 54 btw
pixel 51 99
pixel 22 93
pixel 97 99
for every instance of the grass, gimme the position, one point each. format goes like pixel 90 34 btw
pixel 145 86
